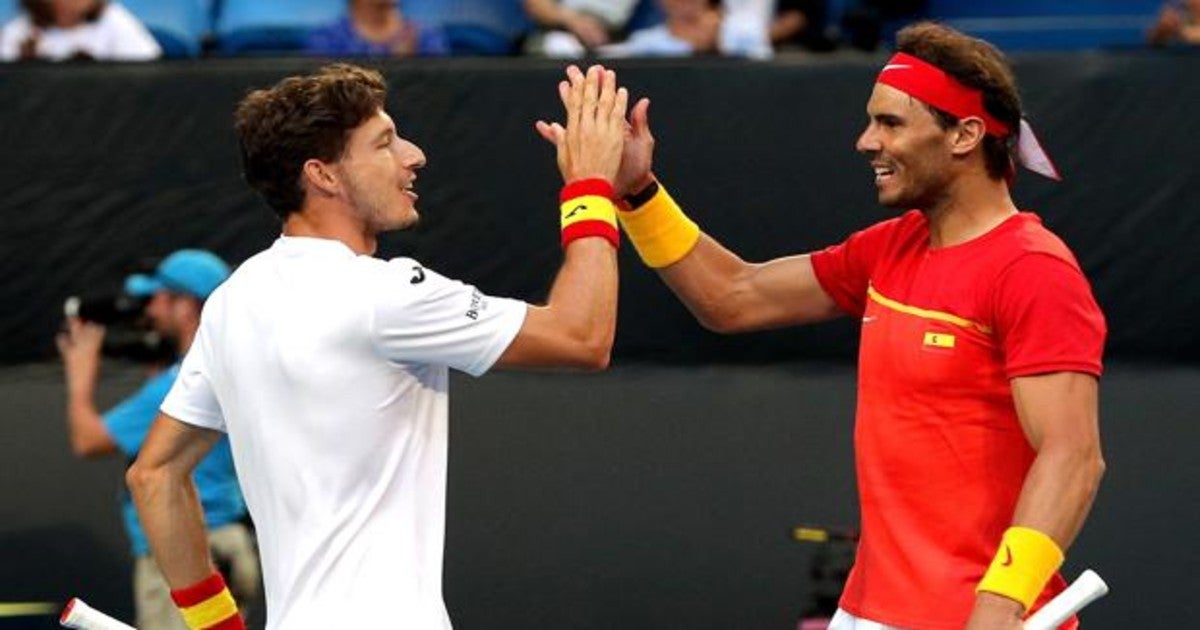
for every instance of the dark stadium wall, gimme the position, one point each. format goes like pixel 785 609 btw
pixel 111 164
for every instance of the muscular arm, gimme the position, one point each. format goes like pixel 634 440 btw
pixel 728 295
pixel 1058 413
pixel 167 504
pixel 577 325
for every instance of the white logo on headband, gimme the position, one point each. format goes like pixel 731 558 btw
pixel 895 66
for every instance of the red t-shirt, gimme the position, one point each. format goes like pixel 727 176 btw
pixel 940 453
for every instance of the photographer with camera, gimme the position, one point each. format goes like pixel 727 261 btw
pixel 173 297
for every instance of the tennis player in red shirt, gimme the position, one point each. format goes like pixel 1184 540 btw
pixel 976 438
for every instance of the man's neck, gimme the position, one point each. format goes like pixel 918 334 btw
pixel 332 224
pixel 186 336
pixel 971 207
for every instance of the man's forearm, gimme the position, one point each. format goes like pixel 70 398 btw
pixel 584 294
pixel 170 513
pixel 1059 415
pixel 1058 492
pixel 547 13
pixel 1054 502
pixel 85 425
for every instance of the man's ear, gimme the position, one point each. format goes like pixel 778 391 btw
pixel 967 135
pixel 321 177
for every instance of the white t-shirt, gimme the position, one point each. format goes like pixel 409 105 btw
pixel 328 370
pixel 115 36
pixel 612 12
pixel 744 32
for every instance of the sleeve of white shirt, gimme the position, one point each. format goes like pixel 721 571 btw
pixel 421 316
pixel 191 398
pixel 11 36
pixel 129 39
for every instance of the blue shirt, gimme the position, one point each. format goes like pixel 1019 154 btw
pixel 340 39
pixel 216 482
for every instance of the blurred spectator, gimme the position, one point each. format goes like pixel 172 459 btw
pixel 1178 21
pixel 176 293
pixel 702 27
pixel 864 22
pixel 571 28
pixel 61 30
pixel 800 24
pixel 376 28
pixel 745 28
pixel 690 27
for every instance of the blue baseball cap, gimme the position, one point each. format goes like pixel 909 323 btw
pixel 193 271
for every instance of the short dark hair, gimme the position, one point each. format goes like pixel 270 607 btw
pixel 41 14
pixel 977 64
pixel 301 118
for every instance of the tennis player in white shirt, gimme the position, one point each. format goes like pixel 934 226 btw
pixel 328 367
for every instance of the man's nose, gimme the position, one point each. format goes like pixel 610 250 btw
pixel 867 142
pixel 415 159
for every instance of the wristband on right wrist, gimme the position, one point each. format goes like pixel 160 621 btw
pixel 1024 563
pixel 208 605
pixel 659 230
pixel 588 210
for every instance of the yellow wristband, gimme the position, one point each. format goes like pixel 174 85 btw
pixel 1025 561
pixel 588 208
pixel 209 612
pixel 660 231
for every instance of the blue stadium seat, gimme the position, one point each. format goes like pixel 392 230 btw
pixel 646 14
pixel 1026 25
pixel 476 40
pixel 214 9
pixel 8 10
pixel 473 27
pixel 178 25
pixel 1027 8
pixel 271 26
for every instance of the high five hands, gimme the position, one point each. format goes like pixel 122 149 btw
pixel 598 141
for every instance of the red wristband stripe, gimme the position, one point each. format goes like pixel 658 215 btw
pixel 581 187
pixel 208 605
pixel 233 623
pixel 584 229
pixel 189 596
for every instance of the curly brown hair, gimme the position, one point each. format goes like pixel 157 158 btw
pixel 301 118
pixel 977 64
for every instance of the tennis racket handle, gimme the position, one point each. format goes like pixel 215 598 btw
pixel 1086 588
pixel 80 616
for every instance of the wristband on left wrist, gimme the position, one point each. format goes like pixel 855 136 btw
pixel 1024 563
pixel 208 605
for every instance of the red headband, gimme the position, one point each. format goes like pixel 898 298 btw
pixel 931 85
